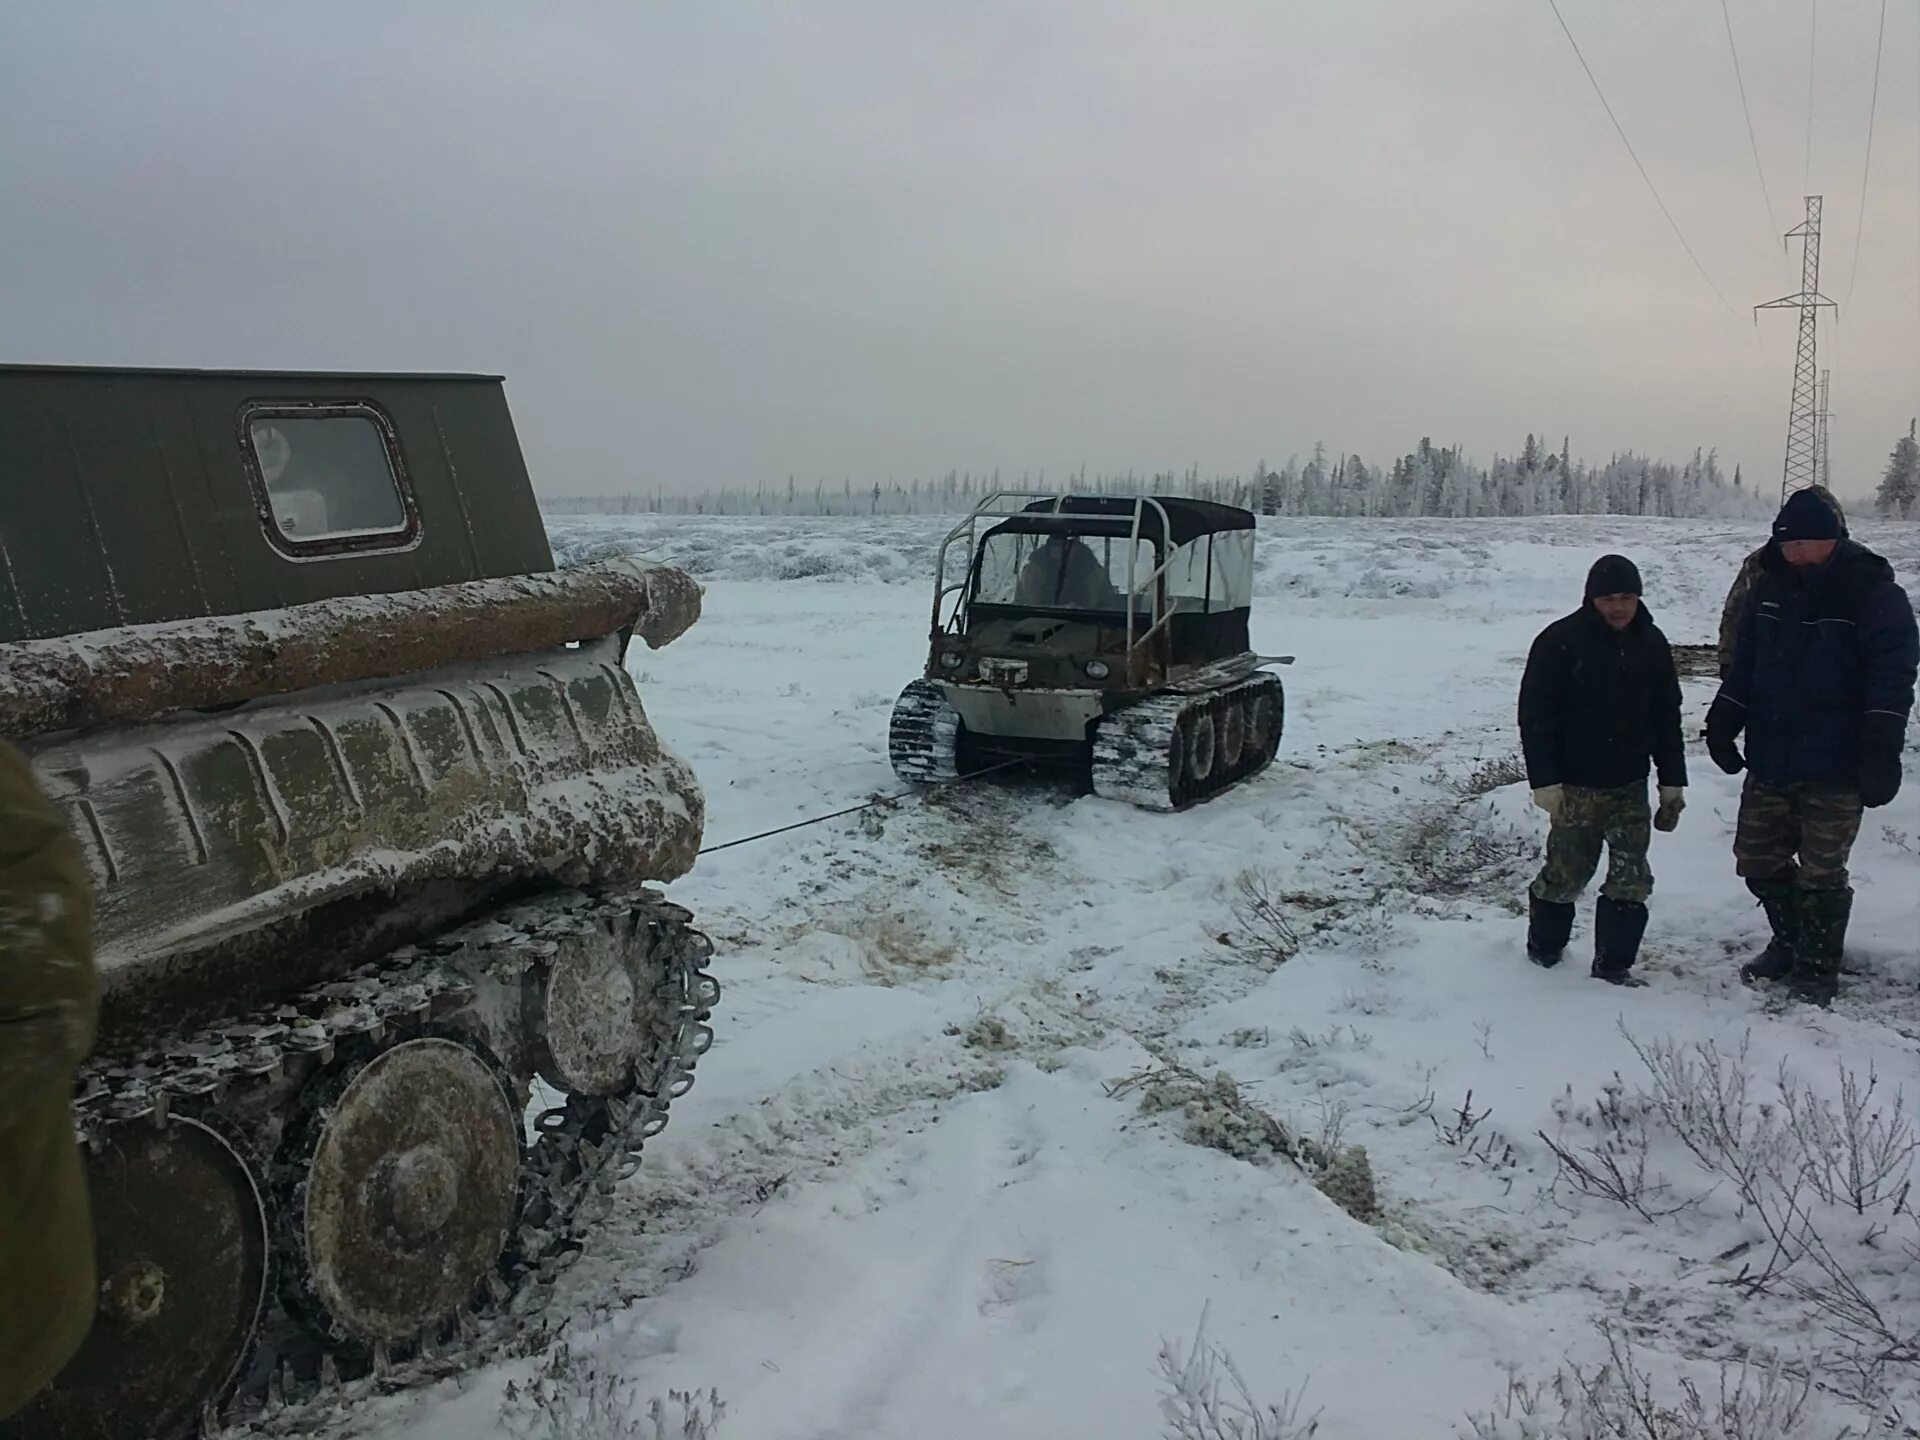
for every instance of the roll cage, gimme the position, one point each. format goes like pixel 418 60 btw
pixel 1145 613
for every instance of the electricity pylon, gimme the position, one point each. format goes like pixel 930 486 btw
pixel 1803 420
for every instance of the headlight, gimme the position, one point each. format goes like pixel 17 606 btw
pixel 950 659
pixel 1097 670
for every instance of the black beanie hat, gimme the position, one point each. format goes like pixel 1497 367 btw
pixel 1613 575
pixel 1806 516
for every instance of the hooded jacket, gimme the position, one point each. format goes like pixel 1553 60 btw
pixel 48 1007
pixel 1743 582
pixel 1596 704
pixel 1816 654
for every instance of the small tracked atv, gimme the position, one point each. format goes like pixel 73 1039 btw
pixel 1101 634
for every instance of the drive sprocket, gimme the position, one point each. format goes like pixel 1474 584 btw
pixel 181 1238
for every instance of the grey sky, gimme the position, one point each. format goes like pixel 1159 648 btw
pixel 720 243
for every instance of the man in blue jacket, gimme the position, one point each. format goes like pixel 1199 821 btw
pixel 1821 682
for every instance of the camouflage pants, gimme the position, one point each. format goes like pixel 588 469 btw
pixel 1796 834
pixel 1622 820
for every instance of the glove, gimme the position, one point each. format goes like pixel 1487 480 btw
pixel 1549 798
pixel 1881 737
pixel 1673 799
pixel 1725 720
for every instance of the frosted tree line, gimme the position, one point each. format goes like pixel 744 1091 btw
pixel 1899 494
pixel 1428 481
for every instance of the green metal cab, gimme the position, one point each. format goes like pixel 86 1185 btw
pixel 134 496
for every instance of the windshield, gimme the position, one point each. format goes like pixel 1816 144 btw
pixel 1062 572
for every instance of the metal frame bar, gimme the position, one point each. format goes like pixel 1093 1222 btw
pixel 1159 613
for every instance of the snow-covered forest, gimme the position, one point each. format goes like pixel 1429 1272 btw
pixel 1900 487
pixel 1437 481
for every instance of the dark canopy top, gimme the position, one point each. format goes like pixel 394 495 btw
pixel 1187 520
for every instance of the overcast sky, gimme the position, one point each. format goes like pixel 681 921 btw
pixel 713 243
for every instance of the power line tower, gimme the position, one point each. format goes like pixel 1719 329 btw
pixel 1804 428
pixel 1824 465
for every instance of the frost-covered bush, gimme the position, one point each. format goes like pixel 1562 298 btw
pixel 1454 848
pixel 1261 927
pixel 1616 1400
pixel 1199 1406
pixel 572 1398
pixel 1219 1117
pixel 1347 1180
pixel 1488 775
pixel 1820 1181
pixel 1216 1113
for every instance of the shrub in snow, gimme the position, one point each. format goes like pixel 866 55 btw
pixel 1261 927
pixel 1490 775
pixel 1817 1182
pixel 1612 1160
pixel 1616 1401
pixel 1348 1182
pixel 570 1398
pixel 1219 1117
pixel 1197 1405
pixel 1452 848
pixel 1215 1112
pixel 989 1032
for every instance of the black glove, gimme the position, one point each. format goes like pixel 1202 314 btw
pixel 1725 720
pixel 1881 737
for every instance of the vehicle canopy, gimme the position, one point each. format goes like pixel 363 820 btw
pixel 1189 562
pixel 129 497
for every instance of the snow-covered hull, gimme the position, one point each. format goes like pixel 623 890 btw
pixel 342 929
pixel 370 808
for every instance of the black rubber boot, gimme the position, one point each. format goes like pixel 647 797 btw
pixel 1548 927
pixel 1781 900
pixel 1617 928
pixel 1823 937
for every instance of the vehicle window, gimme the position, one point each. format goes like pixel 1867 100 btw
pixel 329 477
pixel 1214 572
pixel 1065 572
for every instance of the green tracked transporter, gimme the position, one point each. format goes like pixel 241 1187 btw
pixel 372 810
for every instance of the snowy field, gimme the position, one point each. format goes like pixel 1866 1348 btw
pixel 989 1117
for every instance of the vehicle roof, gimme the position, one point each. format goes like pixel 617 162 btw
pixel 232 374
pixel 133 497
pixel 1186 519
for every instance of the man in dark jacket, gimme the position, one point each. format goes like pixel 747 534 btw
pixel 1822 679
pixel 49 996
pixel 1599 698
pixel 1743 582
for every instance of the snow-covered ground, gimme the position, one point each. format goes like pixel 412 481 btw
pixel 909 1197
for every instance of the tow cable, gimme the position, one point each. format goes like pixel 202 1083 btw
pixel 866 805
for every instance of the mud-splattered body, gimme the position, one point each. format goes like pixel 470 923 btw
pixel 368 806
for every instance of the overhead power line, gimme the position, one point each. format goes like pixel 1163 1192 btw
pixel 1634 156
pixel 1866 168
pixel 1813 50
pixel 1773 227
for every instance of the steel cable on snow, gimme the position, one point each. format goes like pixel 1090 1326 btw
pixel 864 805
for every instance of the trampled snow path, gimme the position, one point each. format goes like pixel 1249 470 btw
pixel 876 1216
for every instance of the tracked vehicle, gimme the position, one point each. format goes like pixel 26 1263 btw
pixel 373 812
pixel 1104 635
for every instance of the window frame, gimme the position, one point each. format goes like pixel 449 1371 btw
pixel 403 537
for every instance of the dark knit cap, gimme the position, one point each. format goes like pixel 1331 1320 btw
pixel 1806 516
pixel 1613 575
